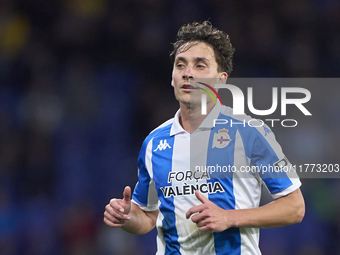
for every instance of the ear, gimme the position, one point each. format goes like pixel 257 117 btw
pixel 223 77
pixel 172 83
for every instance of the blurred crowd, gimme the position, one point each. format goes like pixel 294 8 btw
pixel 82 82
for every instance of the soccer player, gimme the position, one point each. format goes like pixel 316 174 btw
pixel 197 210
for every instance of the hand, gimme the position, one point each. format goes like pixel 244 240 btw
pixel 209 216
pixel 116 212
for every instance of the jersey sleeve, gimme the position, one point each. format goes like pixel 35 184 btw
pixel 145 194
pixel 274 168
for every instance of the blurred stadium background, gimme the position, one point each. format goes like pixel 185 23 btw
pixel 82 82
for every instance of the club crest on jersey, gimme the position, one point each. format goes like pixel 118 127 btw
pixel 221 139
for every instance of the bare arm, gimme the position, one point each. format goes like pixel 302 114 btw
pixel 283 211
pixel 141 221
pixel 122 213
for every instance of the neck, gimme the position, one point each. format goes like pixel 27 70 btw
pixel 191 118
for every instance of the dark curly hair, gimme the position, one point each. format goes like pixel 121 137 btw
pixel 205 32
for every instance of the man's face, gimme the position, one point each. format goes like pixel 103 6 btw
pixel 198 61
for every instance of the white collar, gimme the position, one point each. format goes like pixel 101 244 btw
pixel 208 122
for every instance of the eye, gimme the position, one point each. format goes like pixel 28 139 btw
pixel 180 65
pixel 200 66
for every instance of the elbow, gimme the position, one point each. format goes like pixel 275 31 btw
pixel 299 212
pixel 298 206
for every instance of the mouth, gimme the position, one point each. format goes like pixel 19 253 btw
pixel 187 87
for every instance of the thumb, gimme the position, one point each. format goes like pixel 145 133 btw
pixel 127 194
pixel 201 198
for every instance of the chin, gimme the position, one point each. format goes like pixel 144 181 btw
pixel 189 100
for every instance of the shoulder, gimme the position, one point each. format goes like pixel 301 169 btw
pixel 166 125
pixel 162 130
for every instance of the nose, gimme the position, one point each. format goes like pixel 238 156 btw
pixel 187 74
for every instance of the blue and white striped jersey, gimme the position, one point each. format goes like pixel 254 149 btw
pixel 227 161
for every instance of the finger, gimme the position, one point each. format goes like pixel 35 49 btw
pixel 199 217
pixel 201 198
pixel 127 194
pixel 108 222
pixel 114 203
pixel 195 209
pixel 112 224
pixel 203 222
pixel 206 228
pixel 111 218
pixel 115 218
pixel 117 214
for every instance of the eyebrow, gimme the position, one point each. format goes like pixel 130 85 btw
pixel 200 59
pixel 197 59
pixel 180 59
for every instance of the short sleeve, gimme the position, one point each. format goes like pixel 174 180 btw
pixel 274 168
pixel 145 194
